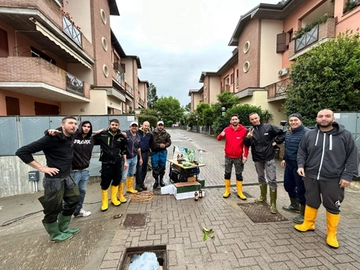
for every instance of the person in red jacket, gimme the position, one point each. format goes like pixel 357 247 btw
pixel 235 154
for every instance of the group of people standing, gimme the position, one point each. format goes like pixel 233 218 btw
pixel 68 151
pixel 319 163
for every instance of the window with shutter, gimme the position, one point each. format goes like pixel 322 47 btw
pixel 281 43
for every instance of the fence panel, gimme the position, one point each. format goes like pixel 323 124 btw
pixel 9 139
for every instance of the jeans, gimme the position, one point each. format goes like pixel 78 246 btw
pixel 81 179
pixel 131 170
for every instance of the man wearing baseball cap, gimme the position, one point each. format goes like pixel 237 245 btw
pixel 161 141
pixel 133 152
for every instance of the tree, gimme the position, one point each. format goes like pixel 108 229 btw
pixel 326 77
pixel 168 109
pixel 188 107
pixel 151 96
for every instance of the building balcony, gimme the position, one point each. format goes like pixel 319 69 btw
pixel 37 77
pixel 129 90
pixel 277 91
pixel 318 34
pixel 225 88
pixel 72 30
pixel 43 22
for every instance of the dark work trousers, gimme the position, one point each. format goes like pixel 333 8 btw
pixel 330 191
pixel 60 195
pixel 142 170
pixel 110 172
pixel 293 183
pixel 239 168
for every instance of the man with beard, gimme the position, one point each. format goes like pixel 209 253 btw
pixel 327 160
pixel 235 154
pixel 112 156
pixel 61 195
pixel 161 141
pixel 145 143
pixel 262 138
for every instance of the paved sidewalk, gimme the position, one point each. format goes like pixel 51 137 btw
pixel 238 244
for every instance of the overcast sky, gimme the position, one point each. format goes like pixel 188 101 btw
pixel 178 39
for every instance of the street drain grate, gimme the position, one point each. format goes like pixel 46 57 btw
pixel 260 213
pixel 134 220
pixel 247 195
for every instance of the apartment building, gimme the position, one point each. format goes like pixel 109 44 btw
pixel 267 43
pixel 61 57
pixel 215 83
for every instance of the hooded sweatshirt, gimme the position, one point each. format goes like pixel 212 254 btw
pixel 234 147
pixel 83 147
pixel 328 156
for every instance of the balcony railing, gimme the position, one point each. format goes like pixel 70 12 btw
pixel 120 78
pixel 128 89
pixel 71 30
pixel 307 39
pixel 74 85
pixel 319 33
pixel 277 90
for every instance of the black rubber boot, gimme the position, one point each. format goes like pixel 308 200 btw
pixel 156 184
pixel 143 186
pixel 139 188
pixel 162 183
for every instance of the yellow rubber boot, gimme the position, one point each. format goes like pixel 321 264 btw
pixel 239 190
pixel 309 220
pixel 114 191
pixel 227 189
pixel 129 185
pixel 332 222
pixel 122 198
pixel 104 200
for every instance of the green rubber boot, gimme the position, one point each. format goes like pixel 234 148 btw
pixel 55 234
pixel 263 191
pixel 273 196
pixel 63 222
pixel 299 219
pixel 293 207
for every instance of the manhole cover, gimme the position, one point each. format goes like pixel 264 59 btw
pixel 135 220
pixel 260 213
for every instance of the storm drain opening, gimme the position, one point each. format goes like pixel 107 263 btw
pixel 260 213
pixel 138 257
pixel 135 220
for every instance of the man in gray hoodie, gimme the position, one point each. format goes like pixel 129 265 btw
pixel 327 160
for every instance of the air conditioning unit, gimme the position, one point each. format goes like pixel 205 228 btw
pixel 283 72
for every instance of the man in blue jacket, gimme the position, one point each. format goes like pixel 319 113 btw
pixel 293 183
pixel 327 160
pixel 145 143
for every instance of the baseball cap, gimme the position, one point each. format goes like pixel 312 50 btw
pixel 160 123
pixel 133 123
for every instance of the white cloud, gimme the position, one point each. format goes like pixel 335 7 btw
pixel 177 40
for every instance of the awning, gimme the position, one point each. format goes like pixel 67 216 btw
pixel 61 44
